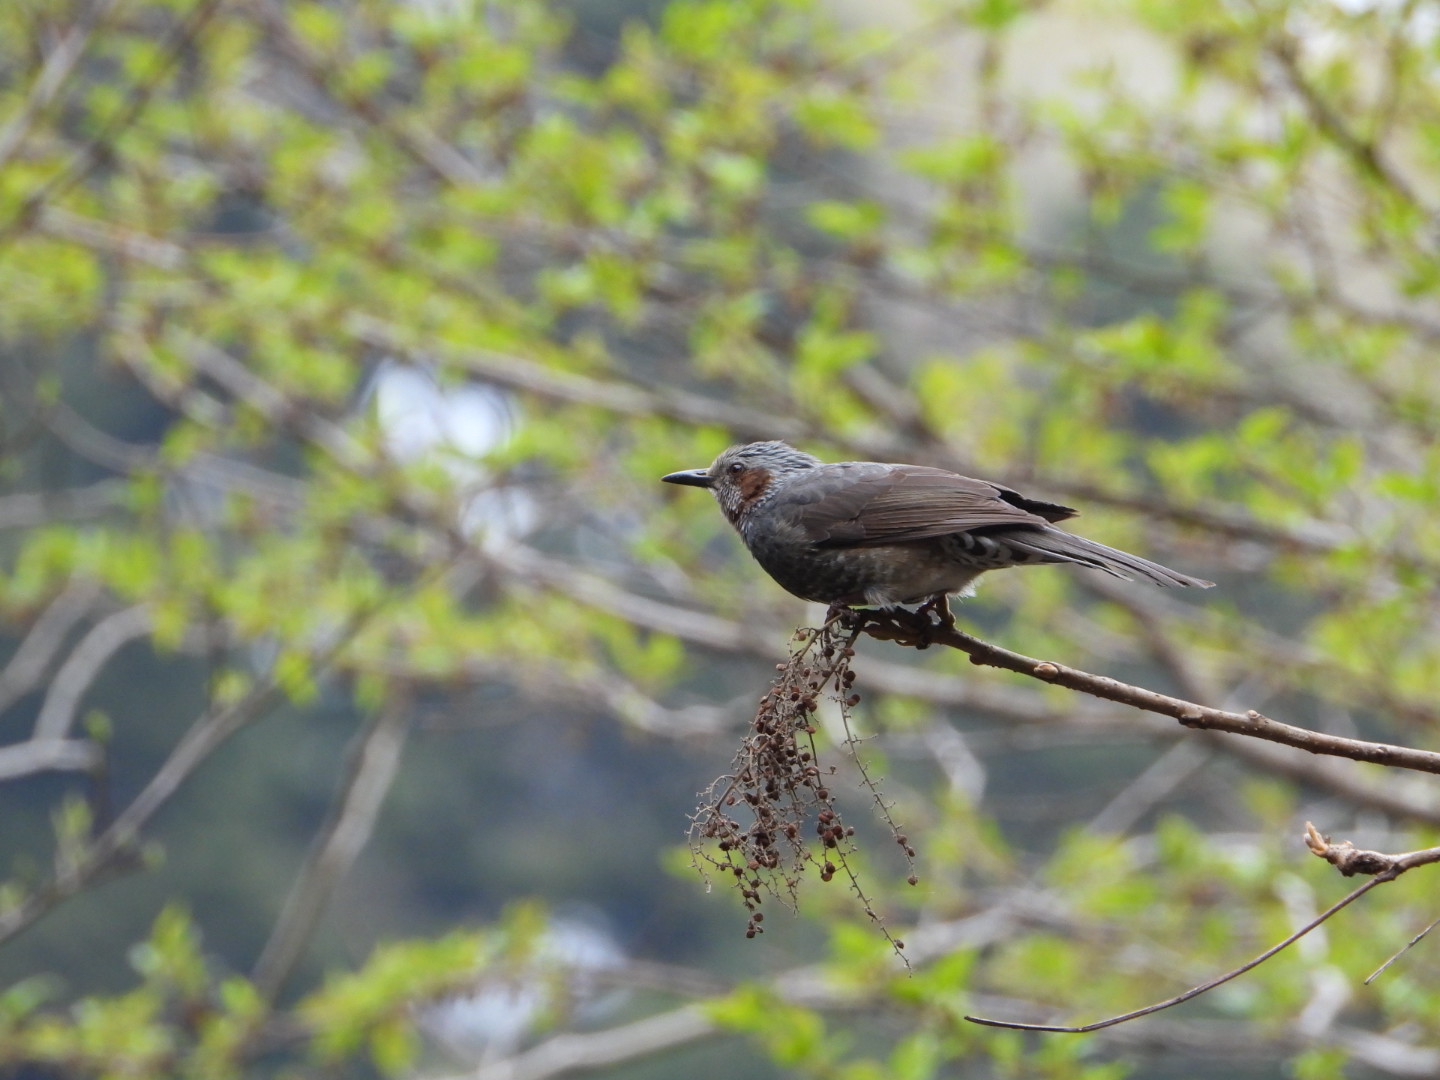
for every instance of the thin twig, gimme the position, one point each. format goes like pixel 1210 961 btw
pixel 1194 991
pixel 1408 946
pixel 1344 856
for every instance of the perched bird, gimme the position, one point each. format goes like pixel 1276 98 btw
pixel 863 532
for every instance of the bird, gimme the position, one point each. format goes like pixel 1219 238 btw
pixel 867 533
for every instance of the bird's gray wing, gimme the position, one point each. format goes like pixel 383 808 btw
pixel 860 503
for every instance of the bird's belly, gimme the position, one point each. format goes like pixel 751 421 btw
pixel 883 575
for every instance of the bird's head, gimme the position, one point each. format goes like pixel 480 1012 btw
pixel 744 476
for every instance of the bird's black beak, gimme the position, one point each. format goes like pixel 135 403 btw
pixel 690 478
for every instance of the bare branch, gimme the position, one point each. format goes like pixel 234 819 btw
pixel 270 402
pixel 47 755
pixel 563 1054
pixel 1406 948
pixel 117 845
pixel 612 395
pixel 907 680
pixel 370 769
pixel 107 237
pixel 33 659
pixel 1344 856
pixel 1163 775
pixel 908 628
pixel 1195 991
pixel 94 444
pixel 83 667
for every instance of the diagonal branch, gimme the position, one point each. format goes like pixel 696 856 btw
pixel 1194 991
pixel 117 848
pixel 810 986
pixel 41 648
pixel 910 628
pixel 370 769
pixel 83 667
pixel 1344 856
pixel 1365 153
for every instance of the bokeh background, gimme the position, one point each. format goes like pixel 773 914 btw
pixel 359 677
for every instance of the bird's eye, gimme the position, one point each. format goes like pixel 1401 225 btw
pixel 736 468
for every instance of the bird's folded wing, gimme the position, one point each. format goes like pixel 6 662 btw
pixel 864 503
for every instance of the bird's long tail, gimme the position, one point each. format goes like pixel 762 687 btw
pixel 1056 545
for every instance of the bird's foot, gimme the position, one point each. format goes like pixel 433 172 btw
pixel 934 614
pixel 938 606
pixel 842 615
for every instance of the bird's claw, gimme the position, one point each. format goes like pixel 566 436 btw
pixel 938 606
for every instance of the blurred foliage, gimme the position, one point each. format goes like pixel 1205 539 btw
pixel 342 345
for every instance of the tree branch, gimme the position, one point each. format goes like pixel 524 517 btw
pixel 370 769
pixel 1364 153
pixel 939 688
pixel 1194 991
pixel 1344 856
pixel 811 986
pixel 1350 860
pixel 37 652
pixel 47 755
pixel 118 844
pixel 909 628
pixel 83 666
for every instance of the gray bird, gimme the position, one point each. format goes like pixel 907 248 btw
pixel 863 532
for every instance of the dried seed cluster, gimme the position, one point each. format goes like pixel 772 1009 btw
pixel 779 779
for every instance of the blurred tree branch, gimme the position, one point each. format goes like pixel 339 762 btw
pixel 370 769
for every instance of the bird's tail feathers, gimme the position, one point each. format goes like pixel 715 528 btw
pixel 1055 545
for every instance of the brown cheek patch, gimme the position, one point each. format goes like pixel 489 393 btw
pixel 753 483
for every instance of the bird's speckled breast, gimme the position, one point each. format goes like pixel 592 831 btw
pixel 880 575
